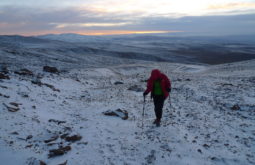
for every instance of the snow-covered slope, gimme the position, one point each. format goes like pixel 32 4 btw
pixel 208 120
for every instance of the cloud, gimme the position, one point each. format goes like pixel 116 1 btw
pixel 27 20
pixel 233 6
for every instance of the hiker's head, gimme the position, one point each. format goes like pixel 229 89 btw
pixel 155 74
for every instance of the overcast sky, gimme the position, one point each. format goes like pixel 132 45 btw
pixel 214 17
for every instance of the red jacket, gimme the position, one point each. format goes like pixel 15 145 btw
pixel 165 82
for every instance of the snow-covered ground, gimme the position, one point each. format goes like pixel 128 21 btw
pixel 210 119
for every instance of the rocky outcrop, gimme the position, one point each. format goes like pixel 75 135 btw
pixel 50 69
pixel 120 113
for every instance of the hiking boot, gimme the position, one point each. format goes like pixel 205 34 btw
pixel 157 122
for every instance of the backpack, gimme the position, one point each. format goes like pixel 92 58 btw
pixel 157 89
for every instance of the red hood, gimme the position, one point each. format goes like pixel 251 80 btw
pixel 155 74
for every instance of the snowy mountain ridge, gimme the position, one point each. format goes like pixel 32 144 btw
pixel 210 119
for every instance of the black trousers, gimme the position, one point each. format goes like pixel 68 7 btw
pixel 158 105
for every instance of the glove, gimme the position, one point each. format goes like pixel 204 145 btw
pixel 168 90
pixel 144 94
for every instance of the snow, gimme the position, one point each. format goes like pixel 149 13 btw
pixel 198 127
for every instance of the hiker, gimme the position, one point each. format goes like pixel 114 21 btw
pixel 159 85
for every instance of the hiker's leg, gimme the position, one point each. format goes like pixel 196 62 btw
pixel 157 107
pixel 161 100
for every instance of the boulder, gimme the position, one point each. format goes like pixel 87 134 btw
pixel 11 107
pixel 51 139
pixel 120 113
pixel 59 151
pixel 73 138
pixel 24 72
pixel 50 69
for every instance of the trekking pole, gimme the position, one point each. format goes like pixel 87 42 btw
pixel 143 110
pixel 170 102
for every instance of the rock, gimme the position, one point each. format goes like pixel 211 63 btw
pixel 65 163
pixel 56 121
pixel 51 139
pixel 50 69
pixel 42 163
pixel 73 138
pixel 118 82
pixel 14 133
pixel 37 82
pixel 29 146
pixel 24 72
pixel 29 137
pixel 15 104
pixel 235 107
pixel 4 95
pixel 120 113
pixel 11 108
pixel 206 146
pixel 226 144
pixel 136 88
pixel 51 87
pixel 3 76
pixel 34 161
pixel 59 151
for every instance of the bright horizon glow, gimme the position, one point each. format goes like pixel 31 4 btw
pixel 98 33
pixel 107 17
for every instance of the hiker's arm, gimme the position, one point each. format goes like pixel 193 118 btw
pixel 149 87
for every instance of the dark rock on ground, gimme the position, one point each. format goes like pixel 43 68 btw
pixel 39 83
pixel 29 137
pixel 51 139
pixel 4 95
pixel 136 88
pixel 24 72
pixel 34 161
pixel 14 133
pixel 29 146
pixel 120 113
pixel 42 163
pixel 50 69
pixel 59 151
pixel 64 163
pixel 73 138
pixel 51 87
pixel 235 107
pixel 56 121
pixel 206 146
pixel 3 76
pixel 118 82
pixel 15 104
pixel 11 108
